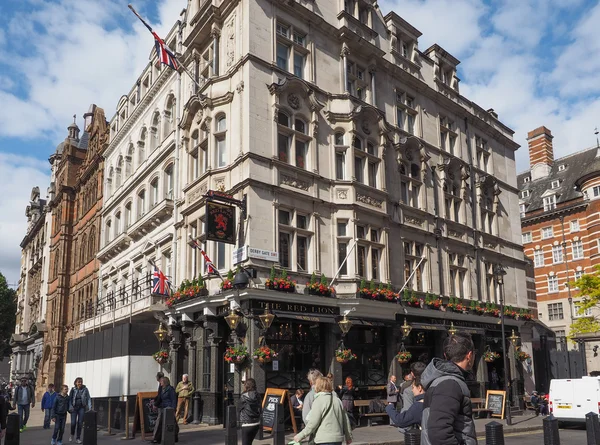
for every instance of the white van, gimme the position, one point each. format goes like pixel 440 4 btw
pixel 571 399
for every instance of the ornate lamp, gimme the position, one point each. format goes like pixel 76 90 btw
pixel 161 333
pixel 452 330
pixel 345 325
pixel 514 338
pixel 267 318
pixel 405 328
pixel 232 319
pixel 499 273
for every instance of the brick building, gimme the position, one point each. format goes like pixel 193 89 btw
pixel 75 202
pixel 559 202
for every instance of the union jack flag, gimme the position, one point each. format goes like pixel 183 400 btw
pixel 210 267
pixel 165 55
pixel 160 283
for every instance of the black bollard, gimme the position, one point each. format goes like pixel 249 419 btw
pixel 196 408
pixel 494 433
pixel 592 428
pixel 12 430
pixel 90 428
pixel 231 426
pixel 551 436
pixel 412 436
pixel 279 425
pixel 168 426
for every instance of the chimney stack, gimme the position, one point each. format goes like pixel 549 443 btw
pixel 541 153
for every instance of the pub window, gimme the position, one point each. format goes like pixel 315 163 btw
pixel 206 367
pixel 369 344
pixel 295 239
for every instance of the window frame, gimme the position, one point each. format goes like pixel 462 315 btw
pixel 220 138
pixel 555 311
pixel 292 230
pixel 296 43
pixel 538 258
pixel 580 250
pixel 294 137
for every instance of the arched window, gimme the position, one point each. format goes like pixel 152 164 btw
pixel 109 180
pixel 169 182
pixel 83 251
pixel 141 203
pixel 154 131
pixel 127 221
pixel 56 263
pixel 357 143
pixel 221 141
pixel 169 123
pixel 92 244
pixel 339 138
pixel 117 224
pixel 107 232
pixel 153 192
pixel 129 160
pixel 295 137
pixel 118 172
pixel 141 144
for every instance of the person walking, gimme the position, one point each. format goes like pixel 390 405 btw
pixel 249 409
pixel 184 391
pixel 392 391
pixel 159 375
pixel 58 413
pixel 79 402
pixel 47 402
pixel 447 410
pixel 166 399
pixel 416 370
pixel 312 377
pixel 24 400
pixel 328 422
pixel 412 416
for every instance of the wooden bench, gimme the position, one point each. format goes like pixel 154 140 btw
pixel 363 411
pixel 479 408
pixel 530 406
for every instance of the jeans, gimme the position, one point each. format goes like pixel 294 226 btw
pixel 249 433
pixel 23 411
pixel 77 421
pixel 59 427
pixel 47 419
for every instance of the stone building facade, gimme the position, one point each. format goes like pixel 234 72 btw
pixel 559 203
pixel 27 341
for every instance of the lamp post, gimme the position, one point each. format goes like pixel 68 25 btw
pixel 499 273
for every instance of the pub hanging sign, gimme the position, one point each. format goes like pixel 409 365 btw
pixel 220 222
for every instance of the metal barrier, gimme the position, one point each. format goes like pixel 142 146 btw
pixel 90 428
pixel 494 433
pixel 231 426
pixel 592 428
pixel 169 427
pixel 12 430
pixel 551 435
pixel 279 425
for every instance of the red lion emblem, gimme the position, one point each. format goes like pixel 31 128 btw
pixel 221 222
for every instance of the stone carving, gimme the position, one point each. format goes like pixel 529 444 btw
pixel 365 127
pixel 294 182
pixel 293 101
pixel 197 193
pixel 413 220
pixel 454 233
pixel 490 245
pixel 231 41
pixel 369 200
pixel 220 184
pixel 342 194
pixel 240 87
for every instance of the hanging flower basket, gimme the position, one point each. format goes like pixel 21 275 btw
pixel 490 356
pixel 264 354
pixel 161 356
pixel 319 287
pixel 344 355
pixel 521 355
pixel 236 354
pixel 403 357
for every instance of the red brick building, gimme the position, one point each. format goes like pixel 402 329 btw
pixel 560 218
pixel 75 201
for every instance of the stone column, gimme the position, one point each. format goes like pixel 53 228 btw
pixel 174 346
pixel 344 54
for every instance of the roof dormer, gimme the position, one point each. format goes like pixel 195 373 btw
pixel 445 67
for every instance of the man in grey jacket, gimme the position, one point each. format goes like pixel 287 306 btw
pixel 408 398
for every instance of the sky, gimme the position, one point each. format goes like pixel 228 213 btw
pixel 535 62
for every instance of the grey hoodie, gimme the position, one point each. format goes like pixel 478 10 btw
pixel 447 414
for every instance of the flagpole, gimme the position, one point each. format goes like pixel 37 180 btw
pixel 343 262
pixel 411 275
pixel 176 188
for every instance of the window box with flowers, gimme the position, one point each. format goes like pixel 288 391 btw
pixel 521 355
pixel 344 355
pixel 509 311
pixel 236 354
pixel 281 283
pixel 490 356
pixel 524 314
pixel 319 287
pixel 403 356
pixel 477 308
pixel 492 310
pixel 264 354
pixel 188 290
pixel 456 305
pixel 161 356
pixel 374 291
pixel 410 299
pixel 432 301
pixel 227 283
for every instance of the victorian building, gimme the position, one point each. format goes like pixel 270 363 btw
pixel 559 203
pixel 27 341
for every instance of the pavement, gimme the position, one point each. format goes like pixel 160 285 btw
pixel 525 430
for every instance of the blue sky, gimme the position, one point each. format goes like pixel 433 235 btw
pixel 534 61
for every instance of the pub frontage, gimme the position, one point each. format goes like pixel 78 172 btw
pixel 305 331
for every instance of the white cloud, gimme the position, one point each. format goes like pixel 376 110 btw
pixel 19 175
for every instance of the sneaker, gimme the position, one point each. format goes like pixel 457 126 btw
pixel 24 427
pixel 21 430
pixel 78 441
pixel 59 443
pixel 70 438
pixel 53 442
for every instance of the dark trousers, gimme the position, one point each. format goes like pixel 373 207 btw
pixel 59 427
pixel 77 421
pixel 23 411
pixel 47 419
pixel 249 433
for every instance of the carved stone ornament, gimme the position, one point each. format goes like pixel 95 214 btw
pixel 365 127
pixel 454 233
pixel 294 182
pixel 342 194
pixel 197 193
pixel 293 101
pixel 413 220
pixel 490 245
pixel 231 41
pixel 369 200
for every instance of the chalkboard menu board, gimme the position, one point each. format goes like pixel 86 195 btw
pixel 273 397
pixel 268 413
pixel 495 402
pixel 146 414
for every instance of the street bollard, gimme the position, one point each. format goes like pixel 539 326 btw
pixel 494 433
pixel 196 408
pixel 168 427
pixel 231 426
pixel 90 428
pixel 279 425
pixel 551 436
pixel 109 425
pixel 12 430
pixel 126 437
pixel 412 436
pixel 592 428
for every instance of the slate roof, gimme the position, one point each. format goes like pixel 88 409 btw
pixel 84 140
pixel 577 166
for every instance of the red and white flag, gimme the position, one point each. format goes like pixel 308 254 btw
pixel 165 55
pixel 210 267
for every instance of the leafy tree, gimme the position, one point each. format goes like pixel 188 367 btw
pixel 8 309
pixel 589 288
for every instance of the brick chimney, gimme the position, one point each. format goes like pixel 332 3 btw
pixel 541 153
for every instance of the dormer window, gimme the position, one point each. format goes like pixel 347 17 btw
pixel 562 167
pixel 525 194
pixel 555 184
pixel 549 203
pixel 527 179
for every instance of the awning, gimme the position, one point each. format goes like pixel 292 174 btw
pixel 311 318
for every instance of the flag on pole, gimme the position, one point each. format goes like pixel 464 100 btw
pixel 209 264
pixel 160 283
pixel 165 55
